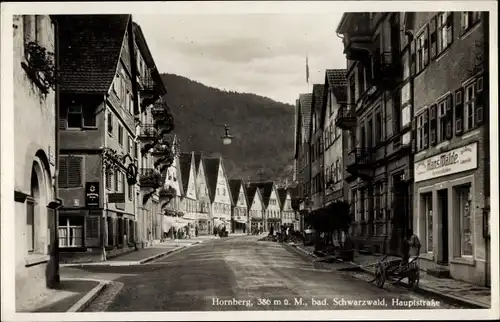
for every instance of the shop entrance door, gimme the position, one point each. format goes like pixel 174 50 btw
pixel 443 226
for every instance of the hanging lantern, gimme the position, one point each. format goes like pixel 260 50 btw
pixel 226 138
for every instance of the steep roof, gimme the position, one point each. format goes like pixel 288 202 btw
pixel 317 104
pixel 337 80
pixel 265 188
pixel 305 109
pixel 185 167
pixel 89 51
pixel 282 196
pixel 235 186
pixel 197 158
pixel 212 171
pixel 251 190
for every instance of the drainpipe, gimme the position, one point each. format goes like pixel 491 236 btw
pixel 57 277
pixel 411 156
pixel 486 209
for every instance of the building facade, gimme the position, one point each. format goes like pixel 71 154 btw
pixel 189 198
pixel 220 193
pixel 317 149
pixel 303 112
pixel 239 208
pixel 378 162
pixel 271 204
pixel 451 165
pixel 256 208
pixel 204 215
pixel 34 152
pixel 334 137
pixel 287 212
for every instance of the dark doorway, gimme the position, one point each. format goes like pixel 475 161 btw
pixel 401 220
pixel 443 226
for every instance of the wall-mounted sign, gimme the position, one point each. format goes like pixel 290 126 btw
pixel 92 194
pixel 116 197
pixel 454 161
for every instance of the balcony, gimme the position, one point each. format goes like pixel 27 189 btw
pixel 160 151
pixel 359 164
pixel 150 178
pixel 148 133
pixel 358 38
pixel 147 85
pixel 346 117
pixel 387 71
pixel 160 109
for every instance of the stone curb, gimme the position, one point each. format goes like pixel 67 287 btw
pixel 90 296
pixel 177 249
pixel 423 290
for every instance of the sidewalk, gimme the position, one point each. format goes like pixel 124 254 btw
pixel 73 295
pixel 148 254
pixel 446 288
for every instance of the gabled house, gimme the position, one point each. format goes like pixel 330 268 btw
pixel 202 193
pixel 171 194
pixel 239 209
pixel 302 152
pixel 256 208
pixel 287 213
pixel 189 200
pixel 335 116
pixel 220 193
pixel 101 102
pixel 270 202
pixel 317 148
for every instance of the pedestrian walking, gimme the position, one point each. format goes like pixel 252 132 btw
pixel 196 231
pixel 411 247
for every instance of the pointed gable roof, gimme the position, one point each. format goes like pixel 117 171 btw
pixel 235 186
pixel 197 160
pixel 317 105
pixel 305 101
pixel 282 192
pixel 89 51
pixel 251 190
pixel 185 159
pixel 265 189
pixel 211 171
pixel 336 79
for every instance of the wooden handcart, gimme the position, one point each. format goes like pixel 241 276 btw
pixel 393 272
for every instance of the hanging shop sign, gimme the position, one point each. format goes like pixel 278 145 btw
pixel 450 162
pixel 92 194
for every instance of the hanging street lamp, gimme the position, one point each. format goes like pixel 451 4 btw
pixel 226 138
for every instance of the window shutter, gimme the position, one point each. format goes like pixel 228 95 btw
pixel 412 58
pixel 426 129
pixel 89 115
pixel 480 101
pixel 63 116
pixel 63 172
pixel 433 124
pixel 74 171
pixel 433 37
pixel 459 111
pixel 449 117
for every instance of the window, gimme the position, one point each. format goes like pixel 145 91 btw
pixel 75 116
pixel 109 179
pixel 339 170
pixel 361 79
pixel 117 181
pixel 330 101
pixel 433 36
pixel 70 172
pixel 470 19
pixel 470 108
pixel 120 135
pixel 378 127
pixel 406 65
pixel 130 191
pixel 129 146
pixel 30 224
pixel 445 31
pixel 428 217
pixel 422 51
pixel 442 121
pixel 422 130
pixel 117 88
pixel 463 204
pixel 352 90
pixel 110 123
pixel 70 231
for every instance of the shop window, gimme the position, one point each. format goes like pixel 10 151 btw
pixel 70 231
pixel 464 211
pixel 427 213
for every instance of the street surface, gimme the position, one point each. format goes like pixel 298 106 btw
pixel 242 273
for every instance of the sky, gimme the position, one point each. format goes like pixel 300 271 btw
pixel 263 54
